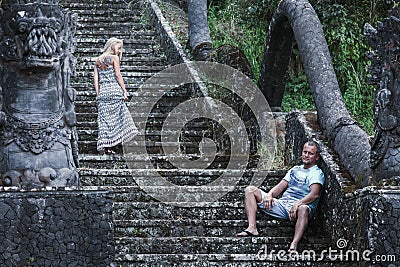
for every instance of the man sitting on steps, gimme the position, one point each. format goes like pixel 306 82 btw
pixel 301 190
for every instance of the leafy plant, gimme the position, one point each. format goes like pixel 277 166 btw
pixel 226 28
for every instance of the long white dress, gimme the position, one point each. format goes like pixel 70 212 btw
pixel 114 120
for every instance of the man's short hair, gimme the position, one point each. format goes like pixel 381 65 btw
pixel 314 143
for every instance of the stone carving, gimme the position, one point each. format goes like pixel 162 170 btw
pixel 38 138
pixel 385 74
pixel 297 20
pixel 233 56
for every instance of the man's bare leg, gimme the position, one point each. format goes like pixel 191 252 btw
pixel 301 225
pixel 252 196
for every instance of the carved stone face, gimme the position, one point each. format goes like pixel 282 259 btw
pixel 31 35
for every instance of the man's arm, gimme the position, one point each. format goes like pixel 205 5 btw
pixel 274 192
pixel 315 190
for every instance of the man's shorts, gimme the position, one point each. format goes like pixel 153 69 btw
pixel 281 207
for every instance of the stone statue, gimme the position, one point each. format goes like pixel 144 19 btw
pixel 38 137
pixel 385 74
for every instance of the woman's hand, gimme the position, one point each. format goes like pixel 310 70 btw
pixel 126 96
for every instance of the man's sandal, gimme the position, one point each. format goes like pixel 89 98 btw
pixel 246 233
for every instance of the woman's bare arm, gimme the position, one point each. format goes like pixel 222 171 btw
pixel 118 75
pixel 96 79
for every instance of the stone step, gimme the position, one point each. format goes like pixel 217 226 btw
pixel 138 49
pixel 150 93
pixel 127 75
pixel 261 258
pixel 128 67
pixel 140 118
pixel 91 135
pixel 152 147
pixel 188 172
pixel 154 194
pixel 87 4
pixel 105 16
pixel 84 42
pixel 133 80
pixel 108 13
pixel 130 79
pixel 130 58
pixel 161 102
pixel 124 34
pixel 96 12
pixel 268 226
pixel 176 124
pixel 92 125
pixel 131 177
pixel 85 24
pixel 148 194
pixel 87 98
pixel 86 123
pixel 85 83
pixel 211 245
pixel 124 31
pixel 158 161
pixel 215 210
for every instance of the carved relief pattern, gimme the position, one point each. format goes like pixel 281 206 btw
pixel 36 101
pixel 385 74
pixel 35 137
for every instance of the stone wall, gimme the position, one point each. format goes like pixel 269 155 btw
pixel 173 49
pixel 363 221
pixel 56 228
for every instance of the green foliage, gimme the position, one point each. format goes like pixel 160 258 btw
pixel 245 23
pixel 348 47
pixel 297 94
pixel 227 27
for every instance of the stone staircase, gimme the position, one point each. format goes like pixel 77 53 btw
pixel 149 232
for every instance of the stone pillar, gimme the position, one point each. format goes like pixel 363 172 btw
pixel 199 33
pixel 38 140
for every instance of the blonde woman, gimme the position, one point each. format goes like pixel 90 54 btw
pixel 114 121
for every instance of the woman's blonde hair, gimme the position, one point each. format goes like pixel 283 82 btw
pixel 108 49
